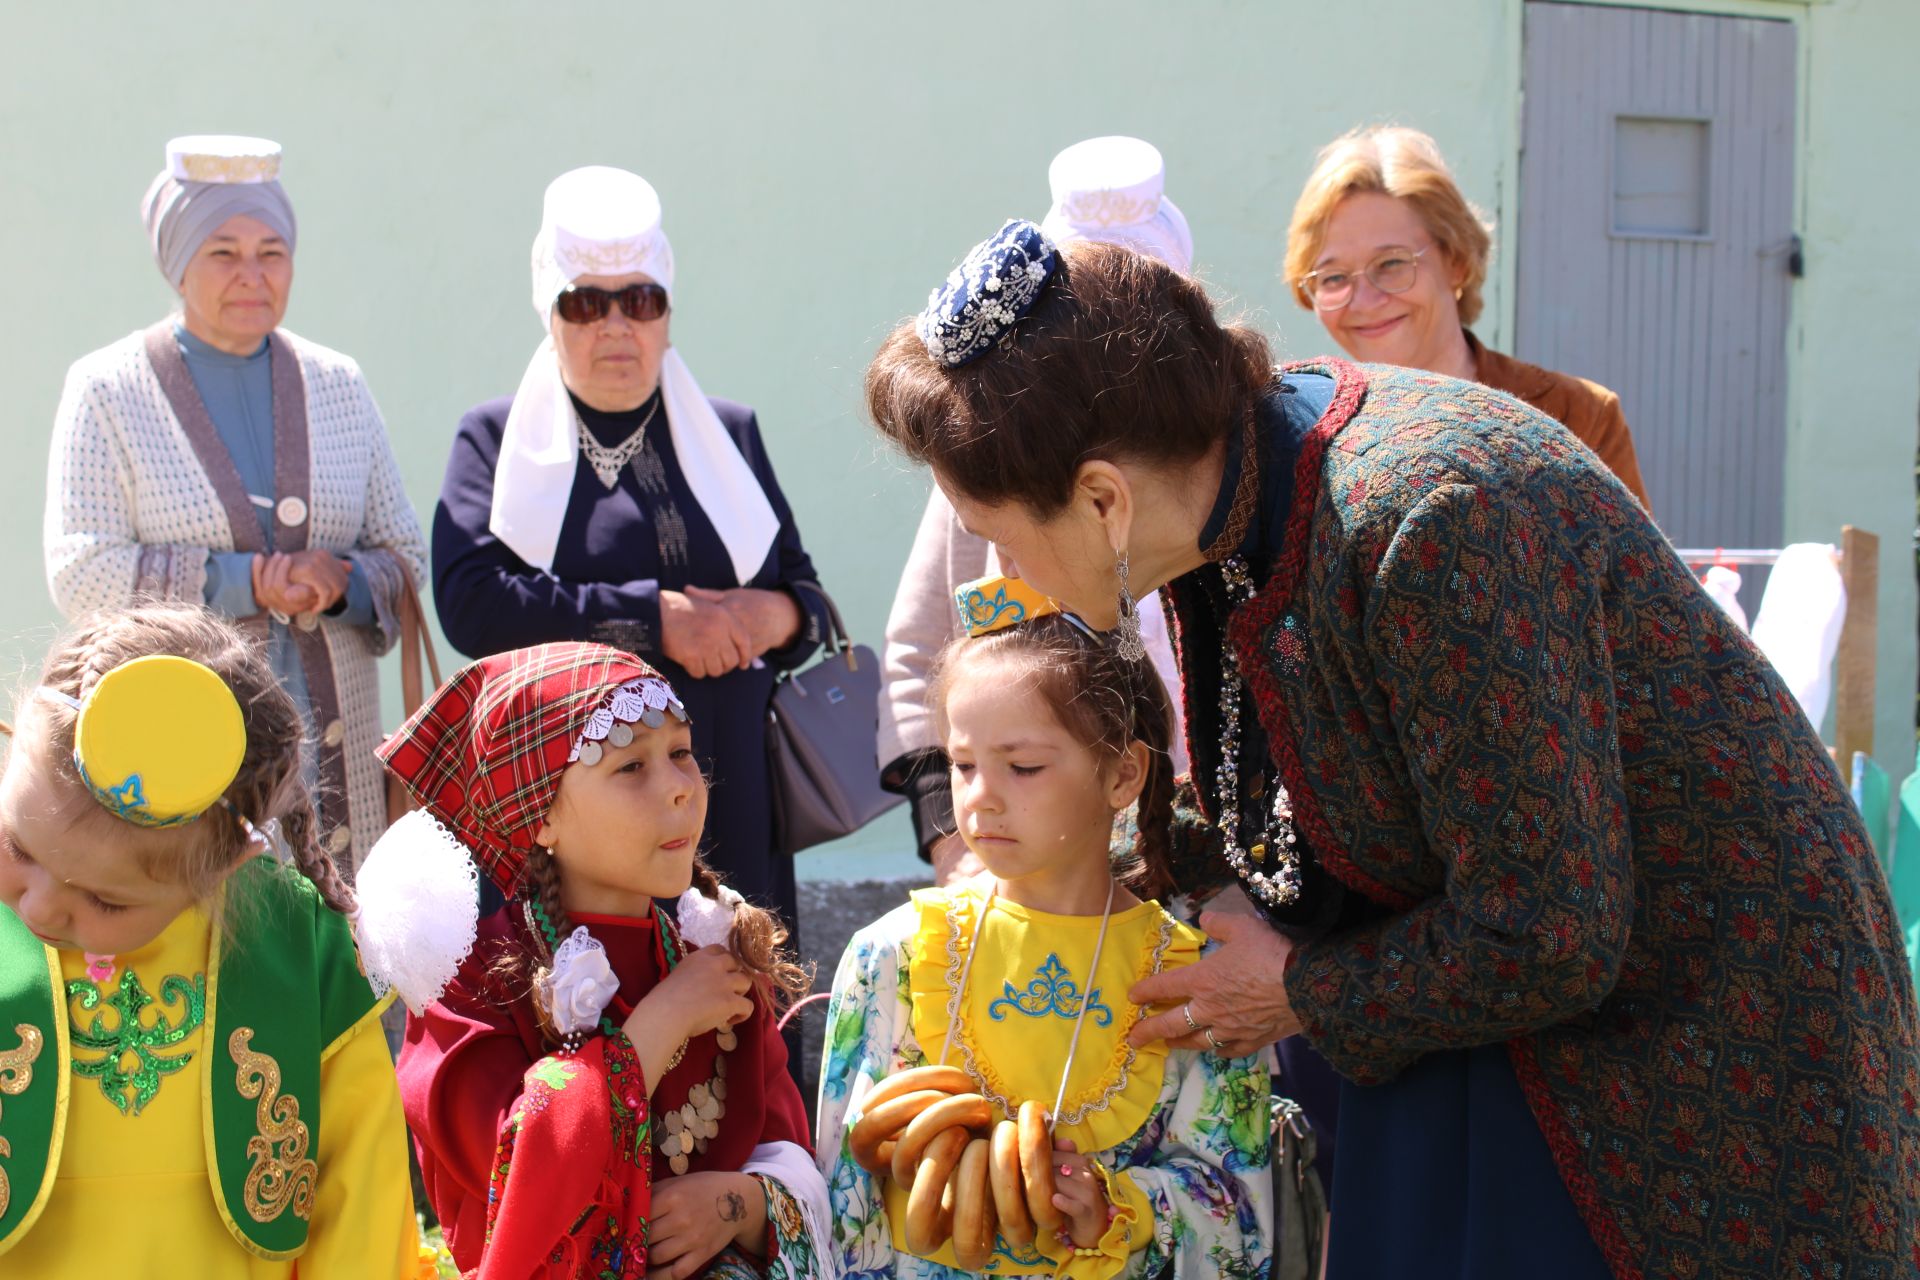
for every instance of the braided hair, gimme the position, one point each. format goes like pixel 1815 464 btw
pixel 758 940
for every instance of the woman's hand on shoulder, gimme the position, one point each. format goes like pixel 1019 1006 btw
pixel 705 637
pixel 1238 991
pixel 696 1215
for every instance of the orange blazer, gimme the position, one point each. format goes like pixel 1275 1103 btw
pixel 1585 408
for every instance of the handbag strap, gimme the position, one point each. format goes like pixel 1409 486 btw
pixel 837 628
pixel 416 642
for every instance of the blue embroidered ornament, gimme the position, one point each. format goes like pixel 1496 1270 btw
pixel 1052 991
pixel 987 294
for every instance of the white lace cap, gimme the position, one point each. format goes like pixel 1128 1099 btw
pixel 419 909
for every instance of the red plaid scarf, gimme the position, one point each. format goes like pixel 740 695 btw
pixel 484 754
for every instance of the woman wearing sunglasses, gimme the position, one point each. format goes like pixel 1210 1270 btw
pixel 609 499
pixel 1389 255
pixel 216 458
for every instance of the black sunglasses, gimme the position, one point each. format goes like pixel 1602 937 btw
pixel 584 304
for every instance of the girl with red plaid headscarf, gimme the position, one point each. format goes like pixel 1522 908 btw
pixel 596 1086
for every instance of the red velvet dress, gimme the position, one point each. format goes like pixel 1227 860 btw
pixel 541 1163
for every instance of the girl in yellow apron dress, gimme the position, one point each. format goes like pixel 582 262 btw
pixel 1050 1145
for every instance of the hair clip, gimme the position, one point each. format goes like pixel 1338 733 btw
pixel 1080 624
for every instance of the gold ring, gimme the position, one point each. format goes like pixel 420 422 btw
pixel 1186 1011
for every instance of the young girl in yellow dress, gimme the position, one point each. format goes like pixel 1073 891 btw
pixel 1019 979
pixel 193 1079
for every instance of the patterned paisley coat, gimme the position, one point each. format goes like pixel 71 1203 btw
pixel 1602 832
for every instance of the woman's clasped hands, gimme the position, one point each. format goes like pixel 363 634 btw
pixel 299 582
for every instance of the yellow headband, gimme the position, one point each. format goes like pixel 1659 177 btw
pixel 158 740
pixel 995 603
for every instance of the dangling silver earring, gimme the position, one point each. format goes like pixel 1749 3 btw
pixel 1127 642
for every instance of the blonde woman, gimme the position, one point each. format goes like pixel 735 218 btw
pixel 1390 256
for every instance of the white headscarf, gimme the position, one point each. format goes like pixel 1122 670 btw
pixel 1113 191
pixel 602 221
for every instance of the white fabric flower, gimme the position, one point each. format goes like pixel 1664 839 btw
pixel 581 984
pixel 704 921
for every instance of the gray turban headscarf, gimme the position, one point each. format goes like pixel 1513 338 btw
pixel 181 215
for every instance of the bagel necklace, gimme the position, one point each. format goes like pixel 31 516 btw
pixel 1093 972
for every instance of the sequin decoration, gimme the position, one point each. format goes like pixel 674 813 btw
pixel 16 1073
pixel 130 1064
pixel 283 1175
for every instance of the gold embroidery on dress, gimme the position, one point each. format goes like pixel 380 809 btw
pixel 279 1177
pixel 16 1073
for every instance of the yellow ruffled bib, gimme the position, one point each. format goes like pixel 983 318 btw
pixel 1024 991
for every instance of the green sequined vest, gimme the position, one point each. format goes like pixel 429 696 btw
pixel 282 989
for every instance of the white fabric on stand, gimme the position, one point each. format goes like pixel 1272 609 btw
pixel 601 221
pixel 1798 625
pixel 1723 584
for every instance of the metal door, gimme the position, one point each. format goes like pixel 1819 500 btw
pixel 1655 245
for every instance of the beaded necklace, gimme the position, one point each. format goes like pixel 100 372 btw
pixel 609 460
pixel 1280 886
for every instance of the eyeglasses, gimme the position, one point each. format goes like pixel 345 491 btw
pixel 1394 271
pixel 584 304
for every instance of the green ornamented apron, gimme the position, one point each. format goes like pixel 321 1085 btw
pixel 283 988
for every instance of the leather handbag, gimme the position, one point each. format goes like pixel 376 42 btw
pixel 821 725
pixel 1299 1201
pixel 416 643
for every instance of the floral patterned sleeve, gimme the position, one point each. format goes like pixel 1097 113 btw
pixel 867 1016
pixel 1200 1172
pixel 577 1135
pixel 790 1238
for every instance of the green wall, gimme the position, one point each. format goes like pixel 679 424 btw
pixel 822 167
